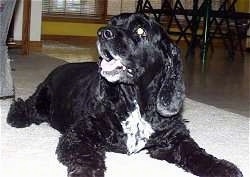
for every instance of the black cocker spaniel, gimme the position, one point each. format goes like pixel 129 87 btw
pixel 131 100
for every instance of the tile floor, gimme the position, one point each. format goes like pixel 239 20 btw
pixel 220 82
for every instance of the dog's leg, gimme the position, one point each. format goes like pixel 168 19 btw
pixel 79 150
pixel 181 149
pixel 35 109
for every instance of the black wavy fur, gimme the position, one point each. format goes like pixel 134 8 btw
pixel 83 102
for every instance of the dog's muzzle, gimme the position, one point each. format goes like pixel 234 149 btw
pixel 111 66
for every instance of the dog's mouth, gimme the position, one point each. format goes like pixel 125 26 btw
pixel 112 69
pixel 111 66
pixel 107 56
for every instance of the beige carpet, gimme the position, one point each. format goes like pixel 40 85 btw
pixel 30 152
pixel 69 53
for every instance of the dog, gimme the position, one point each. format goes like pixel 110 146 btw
pixel 130 100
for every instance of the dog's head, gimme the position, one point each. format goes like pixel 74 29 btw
pixel 127 47
pixel 134 48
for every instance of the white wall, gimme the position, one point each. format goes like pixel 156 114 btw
pixel 18 17
pixel 35 21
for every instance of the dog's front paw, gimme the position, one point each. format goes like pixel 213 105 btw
pixel 85 172
pixel 223 168
pixel 17 115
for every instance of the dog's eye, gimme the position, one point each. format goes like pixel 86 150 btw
pixel 141 32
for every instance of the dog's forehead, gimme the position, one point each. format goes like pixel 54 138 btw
pixel 129 20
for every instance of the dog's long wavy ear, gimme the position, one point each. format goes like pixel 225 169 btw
pixel 171 93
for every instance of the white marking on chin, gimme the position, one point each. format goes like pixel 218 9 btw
pixel 137 129
pixel 107 67
pixel 111 78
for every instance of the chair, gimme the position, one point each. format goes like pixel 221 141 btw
pixel 6 82
pixel 221 23
pixel 230 26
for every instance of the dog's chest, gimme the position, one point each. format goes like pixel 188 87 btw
pixel 137 129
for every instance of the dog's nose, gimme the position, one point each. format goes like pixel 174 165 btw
pixel 106 33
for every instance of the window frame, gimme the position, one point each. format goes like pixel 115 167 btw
pixel 79 18
pixel 103 17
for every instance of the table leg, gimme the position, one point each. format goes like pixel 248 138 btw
pixel 205 35
pixel 194 28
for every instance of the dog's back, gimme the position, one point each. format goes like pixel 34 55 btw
pixel 52 92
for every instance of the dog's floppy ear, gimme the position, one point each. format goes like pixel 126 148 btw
pixel 171 93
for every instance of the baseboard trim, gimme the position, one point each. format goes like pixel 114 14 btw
pixel 71 39
pixel 248 43
pixel 83 40
pixel 35 46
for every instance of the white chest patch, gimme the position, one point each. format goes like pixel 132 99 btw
pixel 137 129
